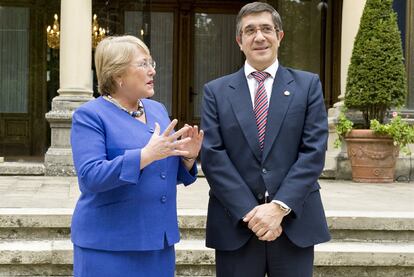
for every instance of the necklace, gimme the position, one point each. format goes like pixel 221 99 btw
pixel 138 113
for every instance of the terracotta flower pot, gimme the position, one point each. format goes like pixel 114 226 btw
pixel 373 157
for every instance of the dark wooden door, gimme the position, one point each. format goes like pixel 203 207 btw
pixel 23 74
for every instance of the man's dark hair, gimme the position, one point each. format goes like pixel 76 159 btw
pixel 257 7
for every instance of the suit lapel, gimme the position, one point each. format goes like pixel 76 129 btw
pixel 243 109
pixel 278 106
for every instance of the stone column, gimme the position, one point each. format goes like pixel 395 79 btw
pixel 351 17
pixel 75 82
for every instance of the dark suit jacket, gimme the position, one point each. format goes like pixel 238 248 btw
pixel 239 173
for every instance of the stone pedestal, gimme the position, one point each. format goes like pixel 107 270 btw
pixel 58 158
pixel 332 154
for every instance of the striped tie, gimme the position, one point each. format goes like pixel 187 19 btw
pixel 261 105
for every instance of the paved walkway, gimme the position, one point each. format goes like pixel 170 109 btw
pixel 62 192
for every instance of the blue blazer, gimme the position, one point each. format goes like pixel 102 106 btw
pixel 122 207
pixel 239 172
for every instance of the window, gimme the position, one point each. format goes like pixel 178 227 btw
pixel 161 37
pixel 14 59
pixel 405 12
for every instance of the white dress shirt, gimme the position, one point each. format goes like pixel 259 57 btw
pixel 251 81
pixel 253 84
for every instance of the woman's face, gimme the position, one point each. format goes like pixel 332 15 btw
pixel 138 80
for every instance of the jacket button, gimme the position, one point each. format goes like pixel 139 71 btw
pixel 264 170
pixel 260 196
pixel 151 130
pixel 163 199
pixel 163 176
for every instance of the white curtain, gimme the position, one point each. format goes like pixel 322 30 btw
pixel 216 51
pixel 162 27
pixel 14 59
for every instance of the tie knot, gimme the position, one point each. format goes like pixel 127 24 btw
pixel 260 76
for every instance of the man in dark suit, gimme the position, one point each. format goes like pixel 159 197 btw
pixel 264 148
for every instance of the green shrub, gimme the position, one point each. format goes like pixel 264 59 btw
pixel 376 76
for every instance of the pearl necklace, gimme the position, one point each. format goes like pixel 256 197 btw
pixel 138 113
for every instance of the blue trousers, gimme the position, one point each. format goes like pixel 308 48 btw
pixel 93 263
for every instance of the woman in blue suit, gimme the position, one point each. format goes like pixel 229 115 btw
pixel 129 161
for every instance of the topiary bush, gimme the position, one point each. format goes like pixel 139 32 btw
pixel 376 79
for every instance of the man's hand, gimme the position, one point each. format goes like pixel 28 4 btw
pixel 272 235
pixel 264 220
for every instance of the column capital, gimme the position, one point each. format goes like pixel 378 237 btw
pixel 75 92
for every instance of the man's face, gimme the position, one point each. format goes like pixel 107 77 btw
pixel 259 40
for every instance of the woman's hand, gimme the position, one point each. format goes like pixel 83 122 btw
pixel 165 145
pixel 192 146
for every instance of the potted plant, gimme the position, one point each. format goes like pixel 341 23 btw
pixel 376 83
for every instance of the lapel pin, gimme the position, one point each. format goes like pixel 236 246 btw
pixel 286 93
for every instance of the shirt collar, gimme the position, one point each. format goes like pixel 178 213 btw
pixel 272 69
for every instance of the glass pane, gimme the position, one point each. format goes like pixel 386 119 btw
pixel 216 51
pixel 162 27
pixel 14 62
pixel 301 45
pixel 407 33
pixel 400 7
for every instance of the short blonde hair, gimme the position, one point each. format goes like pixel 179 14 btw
pixel 112 57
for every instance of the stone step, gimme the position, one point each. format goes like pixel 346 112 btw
pixel 17 168
pixel 371 226
pixel 49 258
pixel 343 225
pixel 22 168
pixel 192 224
pixel 32 224
pixel 339 259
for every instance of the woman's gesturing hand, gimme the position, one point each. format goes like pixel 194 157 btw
pixel 164 145
pixel 192 146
